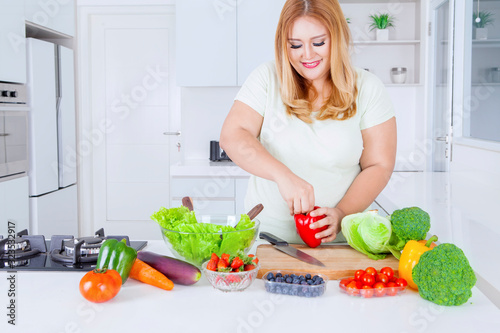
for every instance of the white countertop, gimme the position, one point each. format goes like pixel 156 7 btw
pixel 51 302
pixel 207 168
pixel 463 211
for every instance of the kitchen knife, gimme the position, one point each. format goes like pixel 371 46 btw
pixel 283 246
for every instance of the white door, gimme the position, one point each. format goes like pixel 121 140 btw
pixel 131 82
pixel 441 88
pixel 44 176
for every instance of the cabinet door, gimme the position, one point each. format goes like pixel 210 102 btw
pixel 206 43
pixel 56 15
pixel 67 118
pixel 14 205
pixel 12 45
pixel 257 21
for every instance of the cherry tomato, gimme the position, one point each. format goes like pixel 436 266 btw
pixel 368 279
pixel 359 274
pixel 367 292
pixel 381 278
pixel 371 271
pixel 393 279
pixel 344 282
pixel 392 289
pixel 359 284
pixel 100 285
pixel 401 283
pixel 379 289
pixel 387 271
pixel 352 289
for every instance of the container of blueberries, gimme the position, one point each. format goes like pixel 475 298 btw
pixel 295 283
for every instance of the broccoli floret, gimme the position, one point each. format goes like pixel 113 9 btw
pixel 410 223
pixel 443 275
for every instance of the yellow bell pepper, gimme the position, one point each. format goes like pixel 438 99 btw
pixel 410 257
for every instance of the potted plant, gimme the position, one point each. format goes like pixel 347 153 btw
pixel 382 22
pixel 480 21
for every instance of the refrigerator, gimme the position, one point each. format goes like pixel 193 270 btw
pixel 52 139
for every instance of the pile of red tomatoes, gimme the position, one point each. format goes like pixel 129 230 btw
pixel 369 283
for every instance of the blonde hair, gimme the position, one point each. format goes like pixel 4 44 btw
pixel 296 92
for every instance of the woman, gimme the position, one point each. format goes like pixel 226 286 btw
pixel 310 128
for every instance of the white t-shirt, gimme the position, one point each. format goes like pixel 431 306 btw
pixel 324 153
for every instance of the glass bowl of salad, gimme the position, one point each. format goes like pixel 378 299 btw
pixel 193 238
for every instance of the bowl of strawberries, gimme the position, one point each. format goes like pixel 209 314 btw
pixel 231 272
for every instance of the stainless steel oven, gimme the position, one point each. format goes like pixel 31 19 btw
pixel 13 131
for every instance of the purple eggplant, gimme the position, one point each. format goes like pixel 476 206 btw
pixel 178 271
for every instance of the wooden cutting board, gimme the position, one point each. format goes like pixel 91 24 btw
pixel 340 260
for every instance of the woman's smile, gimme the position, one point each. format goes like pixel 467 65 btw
pixel 311 64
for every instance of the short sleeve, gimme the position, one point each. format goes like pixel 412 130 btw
pixel 374 103
pixel 255 91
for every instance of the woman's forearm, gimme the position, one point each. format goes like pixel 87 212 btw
pixel 365 189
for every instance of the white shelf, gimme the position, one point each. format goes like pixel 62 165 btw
pixel 387 42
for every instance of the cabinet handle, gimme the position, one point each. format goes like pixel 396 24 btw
pixel 172 133
pixel 4 134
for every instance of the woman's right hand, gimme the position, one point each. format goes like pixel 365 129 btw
pixel 298 194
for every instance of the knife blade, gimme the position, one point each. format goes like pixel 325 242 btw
pixel 284 247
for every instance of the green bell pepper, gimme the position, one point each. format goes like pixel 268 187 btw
pixel 117 256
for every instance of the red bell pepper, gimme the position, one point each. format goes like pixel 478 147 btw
pixel 308 235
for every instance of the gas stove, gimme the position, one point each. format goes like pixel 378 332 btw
pixel 60 253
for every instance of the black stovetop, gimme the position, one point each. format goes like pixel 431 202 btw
pixel 44 261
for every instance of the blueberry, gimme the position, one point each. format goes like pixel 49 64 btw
pixel 302 278
pixel 285 276
pixel 303 283
pixel 271 280
pixel 310 282
pixel 293 276
pixel 278 274
pixel 315 277
pixel 295 281
pixel 308 276
pixel 289 280
pixel 270 276
pixel 279 279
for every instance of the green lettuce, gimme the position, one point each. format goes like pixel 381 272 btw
pixel 197 241
pixel 370 233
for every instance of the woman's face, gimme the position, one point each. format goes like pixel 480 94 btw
pixel 309 49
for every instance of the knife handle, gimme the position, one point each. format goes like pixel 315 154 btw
pixel 272 239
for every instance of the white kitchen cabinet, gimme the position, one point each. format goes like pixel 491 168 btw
pixel 220 42
pixel 12 44
pixel 256 40
pixel 14 205
pixel 214 194
pixel 57 15
pixel 206 43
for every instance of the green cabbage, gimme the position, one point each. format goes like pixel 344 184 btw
pixel 195 241
pixel 369 233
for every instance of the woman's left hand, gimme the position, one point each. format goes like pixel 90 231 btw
pixel 333 218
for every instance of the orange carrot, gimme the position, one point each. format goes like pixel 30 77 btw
pixel 147 274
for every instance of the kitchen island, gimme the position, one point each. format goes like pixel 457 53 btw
pixel 461 212
pixel 51 302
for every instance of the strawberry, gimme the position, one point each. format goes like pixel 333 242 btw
pixel 225 256
pixel 222 265
pixel 249 267
pixel 214 257
pixel 212 265
pixel 236 263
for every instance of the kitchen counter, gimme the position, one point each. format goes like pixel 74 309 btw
pixel 463 210
pixel 51 302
